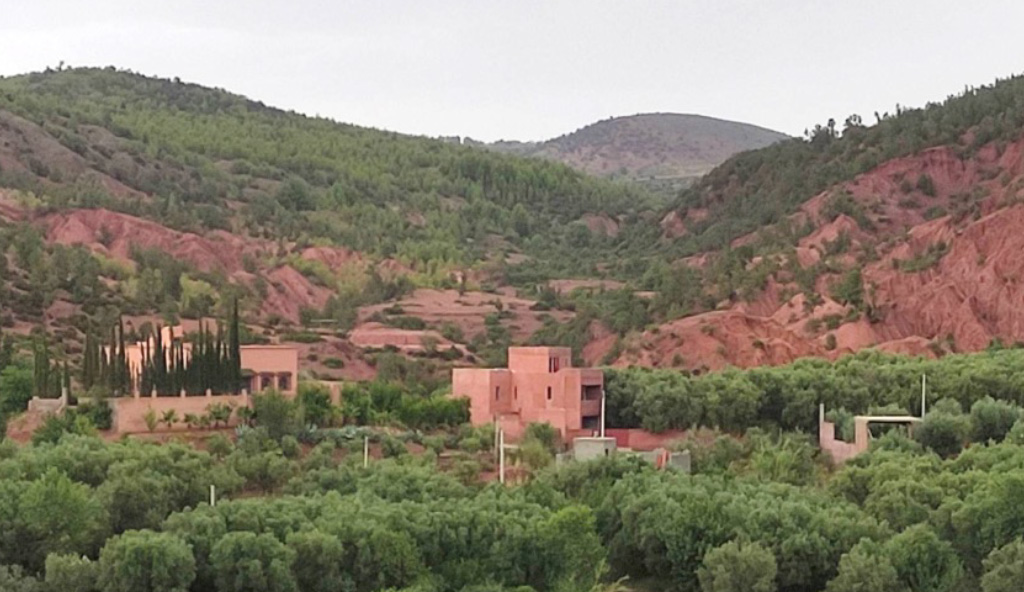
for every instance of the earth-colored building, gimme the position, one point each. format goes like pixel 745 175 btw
pixel 263 366
pixel 539 385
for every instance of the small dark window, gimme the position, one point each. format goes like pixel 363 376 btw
pixel 515 393
pixel 497 392
pixel 549 393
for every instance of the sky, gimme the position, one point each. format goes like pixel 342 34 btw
pixel 532 70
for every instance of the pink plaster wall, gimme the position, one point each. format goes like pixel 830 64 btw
pixel 636 439
pixel 130 412
pixel 520 393
pixel 839 450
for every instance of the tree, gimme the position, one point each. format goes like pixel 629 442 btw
pixel 738 567
pixel 276 413
pixel 71 573
pixel 942 432
pixel 14 579
pixel 572 556
pixel 169 418
pixel 315 402
pixel 992 420
pixel 866 569
pixel 60 516
pixel 247 562
pixel 924 562
pixel 1004 569
pixel 318 564
pixel 146 561
pixel 15 389
pixel 219 414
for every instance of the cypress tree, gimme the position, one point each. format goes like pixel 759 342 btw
pixel 40 369
pixel 234 354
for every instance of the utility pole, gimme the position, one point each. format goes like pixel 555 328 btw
pixel 366 451
pixel 497 443
pixel 602 413
pixel 213 496
pixel 924 394
pixel 501 456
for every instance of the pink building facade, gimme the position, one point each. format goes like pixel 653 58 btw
pixel 540 385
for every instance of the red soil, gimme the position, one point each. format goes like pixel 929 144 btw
pixel 970 296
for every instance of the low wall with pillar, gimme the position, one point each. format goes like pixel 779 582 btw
pixel 129 413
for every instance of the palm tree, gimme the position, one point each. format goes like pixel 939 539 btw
pixel 169 418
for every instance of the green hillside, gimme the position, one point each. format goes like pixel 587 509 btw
pixel 759 187
pixel 212 159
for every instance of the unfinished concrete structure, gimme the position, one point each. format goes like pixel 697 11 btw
pixel 540 385
pixel 841 451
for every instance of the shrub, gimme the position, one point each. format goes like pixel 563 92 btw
pixel 738 567
pixel 1004 569
pixel 315 402
pixel 290 447
pixel 924 562
pixel 70 573
pixel 866 569
pixel 543 433
pixel 992 420
pixel 276 413
pixel 219 445
pixel 144 561
pixel 925 185
pixel 944 433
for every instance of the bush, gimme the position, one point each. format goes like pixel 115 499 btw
pixel 925 185
pixel 1004 569
pixel 738 567
pixel 992 420
pixel 70 573
pixel 924 562
pixel 392 447
pixel 866 569
pixel 276 413
pixel 944 433
pixel 543 433
pixel 245 561
pixel 219 445
pixel 315 401
pixel 290 447
pixel 144 561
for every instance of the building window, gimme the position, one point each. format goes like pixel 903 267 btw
pixel 553 364
pixel 497 392
pixel 549 393
pixel 515 393
pixel 284 381
pixel 266 382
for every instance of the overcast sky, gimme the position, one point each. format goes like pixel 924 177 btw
pixel 532 70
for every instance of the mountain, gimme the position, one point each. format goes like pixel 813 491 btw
pixel 666 148
pixel 163 199
pixel 904 235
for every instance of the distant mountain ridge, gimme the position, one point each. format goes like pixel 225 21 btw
pixel 671 147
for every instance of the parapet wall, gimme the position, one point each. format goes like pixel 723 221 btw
pixel 130 412
pixel 637 439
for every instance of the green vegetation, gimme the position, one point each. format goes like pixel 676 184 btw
pixel 301 177
pixel 763 512
pixel 757 188
pixel 787 397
